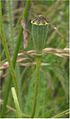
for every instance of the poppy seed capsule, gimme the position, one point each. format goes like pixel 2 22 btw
pixel 39 32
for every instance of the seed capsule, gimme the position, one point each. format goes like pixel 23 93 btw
pixel 39 32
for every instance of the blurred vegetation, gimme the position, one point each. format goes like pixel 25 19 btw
pixel 52 97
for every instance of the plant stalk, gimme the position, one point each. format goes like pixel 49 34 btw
pixel 14 64
pixel 38 63
pixel 8 87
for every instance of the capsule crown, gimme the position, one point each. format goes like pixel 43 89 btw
pixel 40 20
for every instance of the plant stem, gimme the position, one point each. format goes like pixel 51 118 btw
pixel 0 16
pixel 26 10
pixel 8 87
pixel 18 110
pixel 12 65
pixel 38 62
pixel 10 18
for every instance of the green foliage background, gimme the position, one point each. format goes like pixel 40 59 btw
pixel 53 87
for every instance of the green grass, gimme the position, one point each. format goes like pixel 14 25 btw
pixel 35 90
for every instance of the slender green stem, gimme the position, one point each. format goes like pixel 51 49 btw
pixel 14 64
pixel 19 39
pixel 8 87
pixel 17 105
pixel 0 17
pixel 27 9
pixel 0 28
pixel 11 65
pixel 38 62
pixel 18 110
pixel 3 39
pixel 10 17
